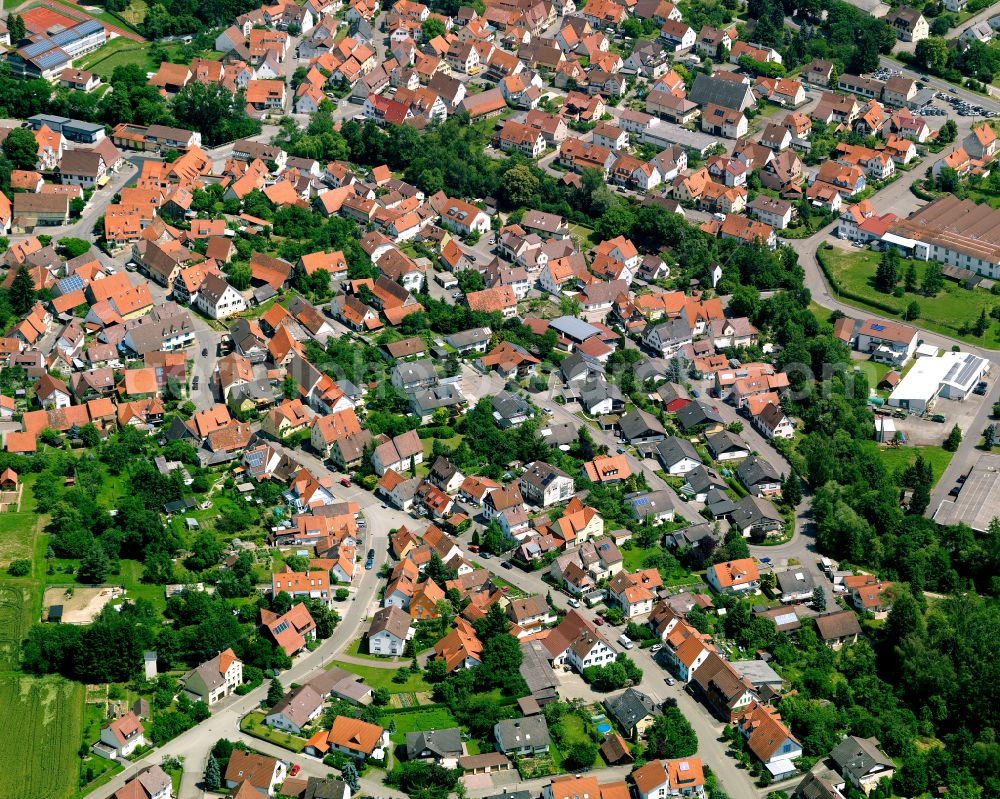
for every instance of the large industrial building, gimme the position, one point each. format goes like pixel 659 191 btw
pixel 952 375
pixel 952 231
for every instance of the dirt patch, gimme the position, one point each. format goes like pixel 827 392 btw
pixel 80 604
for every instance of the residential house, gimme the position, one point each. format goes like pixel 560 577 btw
pixel 389 631
pixel 733 577
pixel 215 678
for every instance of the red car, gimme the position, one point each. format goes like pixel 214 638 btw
pixel 345 482
pixel 599 621
pixel 294 770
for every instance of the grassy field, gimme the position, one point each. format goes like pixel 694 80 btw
pixel 119 52
pixel 136 12
pixel 382 678
pixel 42 727
pixel 944 313
pixel 17 610
pixel 898 458
pixel 17 537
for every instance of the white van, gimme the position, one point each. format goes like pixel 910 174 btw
pixel 625 641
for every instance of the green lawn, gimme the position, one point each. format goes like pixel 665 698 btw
pixel 382 678
pixel 418 721
pixel 854 270
pixel 121 51
pixel 873 371
pixel 574 730
pixel 42 725
pixel 898 458
pixel 253 724
pixel 634 557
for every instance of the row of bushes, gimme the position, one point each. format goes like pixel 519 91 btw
pixel 850 295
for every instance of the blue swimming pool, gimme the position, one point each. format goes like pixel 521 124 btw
pixel 603 728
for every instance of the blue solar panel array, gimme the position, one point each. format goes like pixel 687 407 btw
pixel 86 28
pixel 52 58
pixel 37 48
pixel 71 283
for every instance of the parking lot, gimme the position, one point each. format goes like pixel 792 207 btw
pixel 959 106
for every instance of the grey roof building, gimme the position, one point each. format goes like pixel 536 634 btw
pixel 657 506
pixel 509 409
pixel 597 393
pixel 573 328
pixel 437 744
pixel 755 516
pixel 428 400
pixel 689 536
pixel 537 672
pixel 641 427
pixel 578 366
pixel 861 761
pixel 796 583
pixel 701 480
pixel 413 374
pixel 629 709
pixel 526 736
pixel 698 413
pixel 677 455
pixel 758 476
pixel 718 91
pixel 726 444
pixel 465 340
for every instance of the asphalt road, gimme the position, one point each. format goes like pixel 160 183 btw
pixel 733 779
pixel 195 744
pixel 898 198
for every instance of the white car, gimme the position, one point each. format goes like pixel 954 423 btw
pixel 655 648
pixel 574 603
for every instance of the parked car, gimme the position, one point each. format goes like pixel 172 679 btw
pixel 981 388
pixel 574 603
pixel 671 681
pixel 195 382
pixel 345 482
pixel 204 352
pixel 599 621
pixel 625 641
pixel 695 393
pixel 294 770
pixel 655 648
pixel 506 564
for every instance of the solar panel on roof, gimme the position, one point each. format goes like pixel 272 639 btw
pixel 37 47
pixel 281 628
pixel 50 59
pixel 640 501
pixel 878 327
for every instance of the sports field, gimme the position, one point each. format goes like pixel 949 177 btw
pixel 42 731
